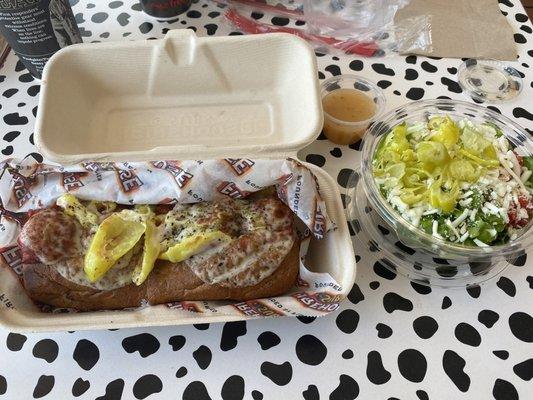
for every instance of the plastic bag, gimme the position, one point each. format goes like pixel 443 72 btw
pixel 364 27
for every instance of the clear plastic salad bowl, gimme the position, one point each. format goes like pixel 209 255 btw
pixel 404 248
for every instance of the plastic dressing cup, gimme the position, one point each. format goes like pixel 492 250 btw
pixel 350 103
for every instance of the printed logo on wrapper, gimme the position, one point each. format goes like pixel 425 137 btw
pixel 184 306
pixel 319 221
pixel 21 188
pixel 72 180
pixel 99 166
pixel 240 166
pixel 255 308
pixel 232 190
pixel 321 301
pixel 181 176
pixel 129 181
pixel 12 257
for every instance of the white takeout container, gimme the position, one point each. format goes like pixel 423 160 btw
pixel 184 97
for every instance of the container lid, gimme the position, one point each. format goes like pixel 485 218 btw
pixel 181 97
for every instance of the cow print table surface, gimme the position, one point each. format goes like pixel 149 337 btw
pixel 390 340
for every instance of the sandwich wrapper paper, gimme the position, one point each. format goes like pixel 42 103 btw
pixel 459 28
pixel 28 186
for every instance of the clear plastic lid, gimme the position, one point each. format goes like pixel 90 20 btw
pixel 406 248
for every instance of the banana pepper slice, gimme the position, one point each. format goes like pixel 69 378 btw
pixel 115 236
pixel 193 245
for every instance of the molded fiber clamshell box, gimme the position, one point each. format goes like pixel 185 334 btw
pixel 184 97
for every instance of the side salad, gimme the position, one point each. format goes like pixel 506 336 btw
pixel 459 181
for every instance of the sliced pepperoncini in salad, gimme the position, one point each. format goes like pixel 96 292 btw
pixel 458 180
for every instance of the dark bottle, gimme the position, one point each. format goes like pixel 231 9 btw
pixel 165 9
pixel 36 29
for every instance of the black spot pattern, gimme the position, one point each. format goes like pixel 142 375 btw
pixel 453 365
pixel 425 326
pixel 347 354
pixel 196 391
pixel 177 342
pixel 521 325
pixel 145 343
pixel 488 318
pixel 316 159
pixel 375 371
pixel 422 395
pixel 347 321
pixel 384 84
pixel 79 387
pixel 15 119
pixel 426 66
pixel 15 341
pixel 333 70
pixel 233 388
pixel 446 303
pixel 86 354
pixel 529 280
pixel 452 86
pixel 344 176
pixel 474 291
pixel 356 65
pixel 3 385
pixel 348 389
pixel 201 327
pixel 382 69
pixel 268 340
pixel 519 38
pixel 10 136
pixel 393 301
pixel 257 395
pixel 519 112
pixel 374 285
pixel 384 272
pixel 181 372
pixel 311 393
pixel 524 369
pixel 9 92
pixel 507 286
pixel 113 390
pixel 310 350
pixel 504 390
pixel 502 354
pixel 415 93
pixel 467 334
pixel 230 334
pixel 203 356
pixel 421 289
pixel 306 320
pixel 99 17
pixel 355 295
pixel 44 385
pixel 410 74
pixel 384 331
pixel 146 27
pixel 47 349
pixel 280 374
pixel 412 365
pixel 147 385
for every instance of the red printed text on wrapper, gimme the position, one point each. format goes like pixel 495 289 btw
pixel 240 166
pixel 319 221
pixel 99 166
pixel 21 188
pixel 184 306
pixel 181 176
pixel 321 301
pixel 232 190
pixel 255 308
pixel 129 181
pixel 12 257
pixel 72 180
